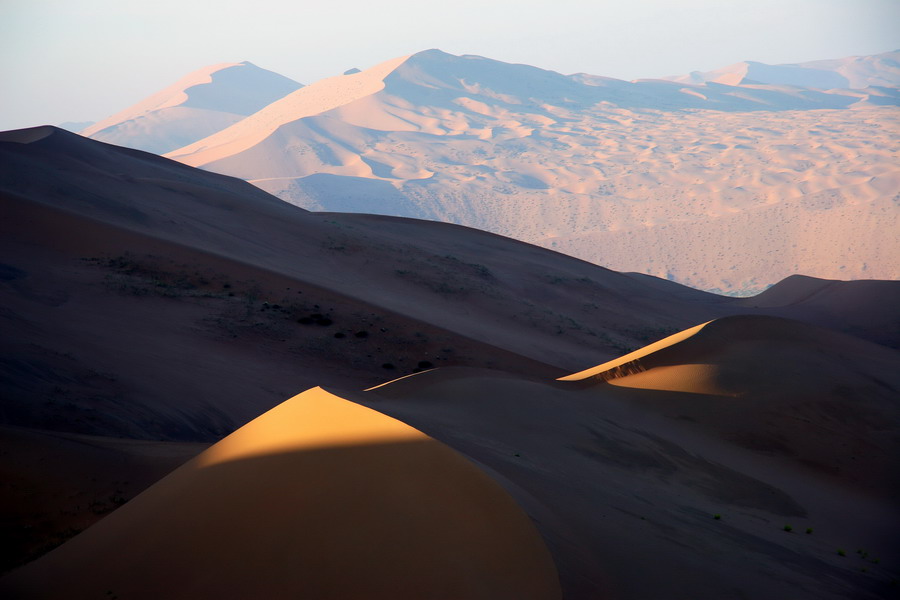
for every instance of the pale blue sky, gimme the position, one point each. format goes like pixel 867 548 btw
pixel 73 60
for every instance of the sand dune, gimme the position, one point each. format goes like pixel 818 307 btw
pixel 114 257
pixel 56 485
pixel 727 188
pixel 143 298
pixel 764 422
pixel 318 498
pixel 198 105
pixel 853 72
pixel 774 371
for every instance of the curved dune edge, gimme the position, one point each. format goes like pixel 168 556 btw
pixel 317 498
pixel 613 369
pixel 721 357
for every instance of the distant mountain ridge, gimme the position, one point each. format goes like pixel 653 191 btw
pixel 194 107
pixel 854 72
pixel 630 175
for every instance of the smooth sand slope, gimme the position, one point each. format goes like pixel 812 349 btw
pixel 317 498
pixel 727 187
pixel 198 105
pixel 765 422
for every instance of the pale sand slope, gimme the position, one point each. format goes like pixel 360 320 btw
pixel 766 422
pixel 721 187
pixel 198 105
pixel 317 498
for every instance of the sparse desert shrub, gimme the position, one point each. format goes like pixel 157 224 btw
pixel 362 334
pixel 717 517
pixel 340 335
pixel 788 528
pixel 388 366
pixel 841 552
pixel 425 364
pixel 809 530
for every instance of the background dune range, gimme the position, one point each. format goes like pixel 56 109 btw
pixel 726 181
pixel 152 301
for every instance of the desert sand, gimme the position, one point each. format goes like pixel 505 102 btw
pixel 789 425
pixel 198 105
pixel 147 300
pixel 317 498
pixel 724 186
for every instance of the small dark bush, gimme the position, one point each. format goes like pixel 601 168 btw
pixel 717 517
pixel 425 364
pixel 788 528
pixel 362 334
pixel 339 335
pixel 387 366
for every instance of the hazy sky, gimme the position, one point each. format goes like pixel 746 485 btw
pixel 74 60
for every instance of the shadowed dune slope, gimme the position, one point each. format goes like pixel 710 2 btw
pixel 763 421
pixel 866 308
pixel 318 498
pixel 828 401
pixel 114 259
pixel 55 485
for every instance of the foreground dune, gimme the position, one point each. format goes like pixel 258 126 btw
pixel 318 498
pixel 766 422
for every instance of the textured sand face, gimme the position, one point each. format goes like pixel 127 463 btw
pixel 728 188
pixel 318 498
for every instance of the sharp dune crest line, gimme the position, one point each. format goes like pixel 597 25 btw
pixel 321 97
pixel 305 425
pixel 166 98
pixel 609 370
pixel 198 105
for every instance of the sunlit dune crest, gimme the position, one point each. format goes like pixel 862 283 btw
pixel 600 370
pixel 318 498
pixel 298 425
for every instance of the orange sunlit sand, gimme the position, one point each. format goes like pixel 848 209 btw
pixel 318 498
